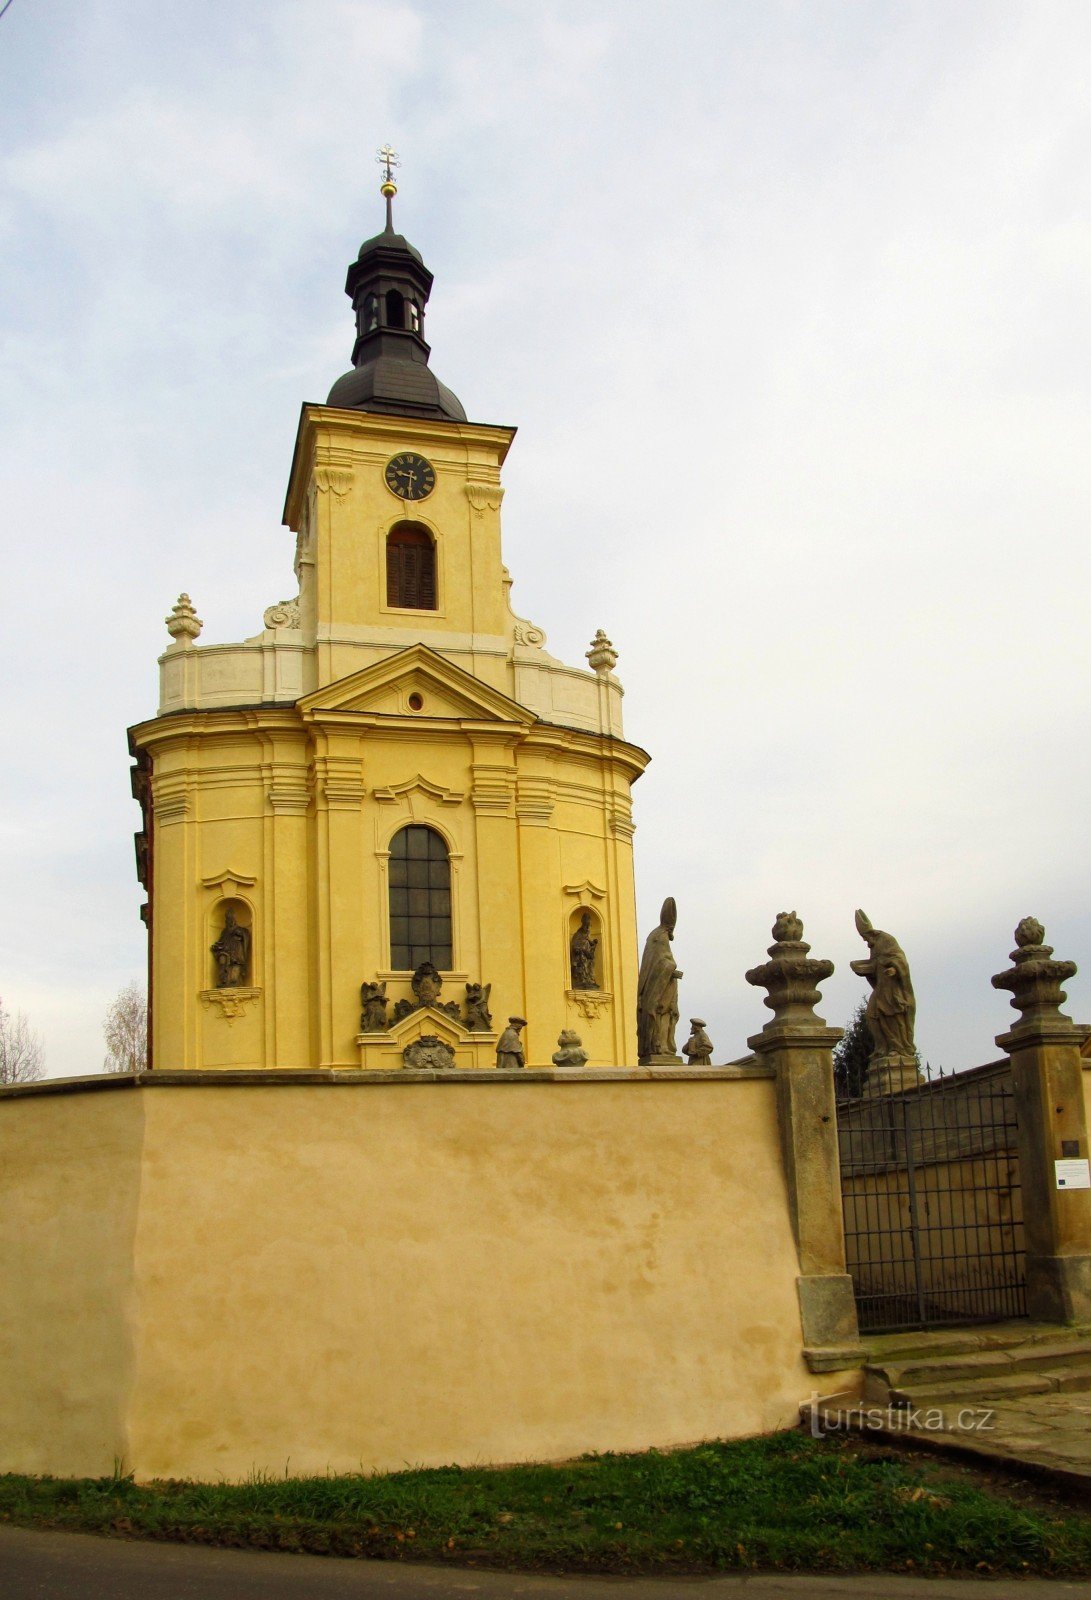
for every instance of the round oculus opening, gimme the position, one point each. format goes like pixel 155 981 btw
pixel 416 702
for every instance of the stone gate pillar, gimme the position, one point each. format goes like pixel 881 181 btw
pixel 799 1046
pixel 1047 1082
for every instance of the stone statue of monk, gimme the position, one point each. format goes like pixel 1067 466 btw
pixel 657 992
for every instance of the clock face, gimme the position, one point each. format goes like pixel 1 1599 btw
pixel 410 477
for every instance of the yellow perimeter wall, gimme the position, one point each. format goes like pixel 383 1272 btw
pixel 203 1279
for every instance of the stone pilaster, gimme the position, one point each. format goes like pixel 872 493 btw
pixel 1044 1046
pixel 798 1044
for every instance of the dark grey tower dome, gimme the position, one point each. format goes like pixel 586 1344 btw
pixel 389 286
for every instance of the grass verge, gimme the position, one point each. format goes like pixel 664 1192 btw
pixel 786 1501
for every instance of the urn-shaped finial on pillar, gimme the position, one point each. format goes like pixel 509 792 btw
pixel 791 978
pixel 1051 1122
pixel 798 1046
pixel 1035 979
pixel 183 624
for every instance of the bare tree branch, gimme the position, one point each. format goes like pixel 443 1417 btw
pixel 22 1054
pixel 126 1031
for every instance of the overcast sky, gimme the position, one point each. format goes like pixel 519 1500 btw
pixel 790 303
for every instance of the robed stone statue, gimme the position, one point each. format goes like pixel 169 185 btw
pixel 232 952
pixel 582 950
pixel 892 1008
pixel 657 993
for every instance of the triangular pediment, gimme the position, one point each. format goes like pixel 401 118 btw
pixel 392 686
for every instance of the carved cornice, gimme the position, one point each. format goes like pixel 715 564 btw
pixel 228 883
pixel 289 799
pixel 535 801
pixel 333 480
pixel 170 799
pixel 232 1002
pixel 339 781
pixel 586 888
pixel 420 784
pixel 482 495
pixel 493 788
pixel 590 1003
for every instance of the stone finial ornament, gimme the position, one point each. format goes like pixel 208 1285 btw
pixel 582 954
pixel 232 952
pixel 657 994
pixel 892 1007
pixel 569 1051
pixel 698 1047
pixel 373 1000
pixel 1035 978
pixel 509 1046
pixel 602 655
pixel 428 1052
pixel 183 624
pixel 478 1017
pixel 791 977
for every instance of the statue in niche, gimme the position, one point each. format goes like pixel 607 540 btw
pixel 583 949
pixel 478 1017
pixel 428 1052
pixel 232 952
pixel 698 1047
pixel 657 991
pixel 509 1046
pixel 892 1008
pixel 373 1000
pixel 569 1051
pixel 426 984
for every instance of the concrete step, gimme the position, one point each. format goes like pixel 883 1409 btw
pixel 904 1347
pixel 1068 1377
pixel 980 1363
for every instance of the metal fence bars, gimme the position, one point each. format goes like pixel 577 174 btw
pixel 930 1190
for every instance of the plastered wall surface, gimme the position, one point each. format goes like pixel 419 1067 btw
pixel 398 1272
pixel 70 1169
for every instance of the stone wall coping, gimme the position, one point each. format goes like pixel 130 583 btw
pixel 349 1077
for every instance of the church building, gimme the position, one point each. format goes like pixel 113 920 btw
pixel 390 820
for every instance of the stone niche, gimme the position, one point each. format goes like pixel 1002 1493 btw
pixel 230 1008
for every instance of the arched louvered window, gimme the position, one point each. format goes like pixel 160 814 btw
pixel 420 899
pixel 410 568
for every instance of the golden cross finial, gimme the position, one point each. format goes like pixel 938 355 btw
pixel 388 160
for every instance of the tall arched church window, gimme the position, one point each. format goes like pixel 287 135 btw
pixel 420 899
pixel 410 568
pixel 395 309
pixel 371 313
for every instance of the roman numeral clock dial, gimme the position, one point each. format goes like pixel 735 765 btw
pixel 410 476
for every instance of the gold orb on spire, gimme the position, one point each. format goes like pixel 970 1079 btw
pixel 388 160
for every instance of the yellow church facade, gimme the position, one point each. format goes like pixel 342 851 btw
pixel 395 775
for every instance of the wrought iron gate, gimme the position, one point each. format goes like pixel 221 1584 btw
pixel 930 1191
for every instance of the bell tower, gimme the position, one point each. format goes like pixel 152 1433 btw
pixel 418 819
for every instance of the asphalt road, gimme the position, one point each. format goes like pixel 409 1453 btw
pixel 77 1566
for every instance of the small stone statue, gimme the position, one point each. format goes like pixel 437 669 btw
pixel 891 1008
pixel 478 1017
pixel 657 993
pixel 232 952
pixel 509 1046
pixel 569 1051
pixel 698 1047
pixel 428 1052
pixel 426 984
pixel 373 1000
pixel 583 949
